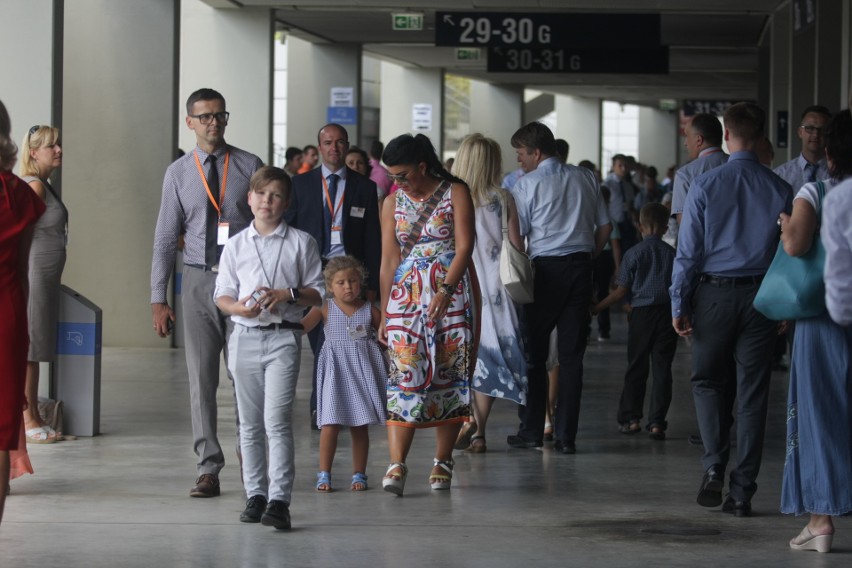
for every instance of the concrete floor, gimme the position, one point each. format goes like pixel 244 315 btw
pixel 121 499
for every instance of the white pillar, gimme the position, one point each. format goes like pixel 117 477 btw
pixel 578 121
pixel 497 112
pixel 658 138
pixel 402 88
pixel 27 84
pixel 118 138
pixel 313 70
pixel 230 51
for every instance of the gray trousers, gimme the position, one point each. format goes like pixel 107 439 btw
pixel 725 323
pixel 265 365
pixel 207 331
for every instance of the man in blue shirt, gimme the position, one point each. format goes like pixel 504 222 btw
pixel 564 218
pixel 727 240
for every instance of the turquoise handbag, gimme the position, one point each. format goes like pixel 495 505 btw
pixel 793 287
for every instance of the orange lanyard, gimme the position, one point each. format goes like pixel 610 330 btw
pixel 224 180
pixel 331 208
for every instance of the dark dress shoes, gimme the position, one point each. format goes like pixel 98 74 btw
pixel 522 443
pixel 207 485
pixel 564 447
pixel 737 508
pixel 710 493
pixel 255 507
pixel 277 515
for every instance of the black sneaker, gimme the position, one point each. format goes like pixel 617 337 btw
pixel 255 507
pixel 277 515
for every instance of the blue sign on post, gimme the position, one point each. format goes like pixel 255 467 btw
pixel 342 115
pixel 74 338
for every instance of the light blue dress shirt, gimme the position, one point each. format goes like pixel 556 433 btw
pixel 729 226
pixel 794 173
pixel 836 235
pixel 559 208
pixel 707 159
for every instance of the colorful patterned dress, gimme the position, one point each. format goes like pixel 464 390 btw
pixel 430 362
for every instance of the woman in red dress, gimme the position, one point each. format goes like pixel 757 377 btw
pixel 19 210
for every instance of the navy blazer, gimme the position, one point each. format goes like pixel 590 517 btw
pixel 361 235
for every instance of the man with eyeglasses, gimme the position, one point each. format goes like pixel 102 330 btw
pixel 206 212
pixel 810 165
pixel 339 208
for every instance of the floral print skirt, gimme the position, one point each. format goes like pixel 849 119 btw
pixel 430 362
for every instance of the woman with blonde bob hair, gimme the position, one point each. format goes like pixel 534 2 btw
pixel 41 155
pixel 501 370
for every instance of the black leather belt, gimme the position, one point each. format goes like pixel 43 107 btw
pixel 214 268
pixel 274 326
pixel 565 258
pixel 733 281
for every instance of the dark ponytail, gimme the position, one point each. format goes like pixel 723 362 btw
pixel 408 149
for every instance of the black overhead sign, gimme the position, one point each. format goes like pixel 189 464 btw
pixel 577 60
pixel 536 29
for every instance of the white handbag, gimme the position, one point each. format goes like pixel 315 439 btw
pixel 517 271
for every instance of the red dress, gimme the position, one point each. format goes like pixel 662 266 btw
pixel 20 207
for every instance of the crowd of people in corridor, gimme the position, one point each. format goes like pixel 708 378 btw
pixel 389 262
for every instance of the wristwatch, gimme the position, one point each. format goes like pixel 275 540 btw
pixel 294 295
pixel 447 289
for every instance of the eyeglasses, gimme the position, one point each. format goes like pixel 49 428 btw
pixel 811 129
pixel 399 179
pixel 207 117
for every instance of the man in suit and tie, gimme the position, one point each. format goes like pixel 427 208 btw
pixel 338 207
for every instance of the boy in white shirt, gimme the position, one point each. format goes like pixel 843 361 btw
pixel 268 273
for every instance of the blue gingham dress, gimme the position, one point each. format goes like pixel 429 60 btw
pixel 351 373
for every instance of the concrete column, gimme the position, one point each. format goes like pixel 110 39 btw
pixel 27 84
pixel 401 89
pixel 658 138
pixel 118 136
pixel 496 111
pixel 578 121
pixel 779 82
pixel 828 60
pixel 313 70
pixel 230 51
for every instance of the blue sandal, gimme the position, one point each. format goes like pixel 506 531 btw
pixel 324 482
pixel 359 481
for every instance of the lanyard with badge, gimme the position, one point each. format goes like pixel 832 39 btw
pixel 265 316
pixel 222 233
pixel 335 229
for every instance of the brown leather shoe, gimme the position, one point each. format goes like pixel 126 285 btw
pixel 207 485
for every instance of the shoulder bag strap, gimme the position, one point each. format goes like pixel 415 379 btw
pixel 425 213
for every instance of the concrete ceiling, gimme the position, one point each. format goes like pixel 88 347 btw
pixel 713 45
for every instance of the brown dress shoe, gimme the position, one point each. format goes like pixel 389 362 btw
pixel 207 485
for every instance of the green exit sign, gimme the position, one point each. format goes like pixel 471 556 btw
pixel 468 54
pixel 407 21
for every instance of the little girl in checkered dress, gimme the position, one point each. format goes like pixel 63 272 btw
pixel 351 370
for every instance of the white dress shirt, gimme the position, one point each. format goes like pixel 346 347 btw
pixel 287 258
pixel 836 233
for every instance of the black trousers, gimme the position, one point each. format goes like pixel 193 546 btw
pixel 650 338
pixel 726 322
pixel 603 270
pixel 563 291
pixel 316 338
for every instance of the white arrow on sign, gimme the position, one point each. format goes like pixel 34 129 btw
pixel 448 19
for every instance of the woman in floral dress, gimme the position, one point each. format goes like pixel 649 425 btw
pixel 429 306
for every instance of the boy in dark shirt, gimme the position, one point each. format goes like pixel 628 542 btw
pixel 644 279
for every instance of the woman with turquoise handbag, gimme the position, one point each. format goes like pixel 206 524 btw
pixel 818 466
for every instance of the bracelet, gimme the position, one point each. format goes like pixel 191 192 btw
pixel 447 289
